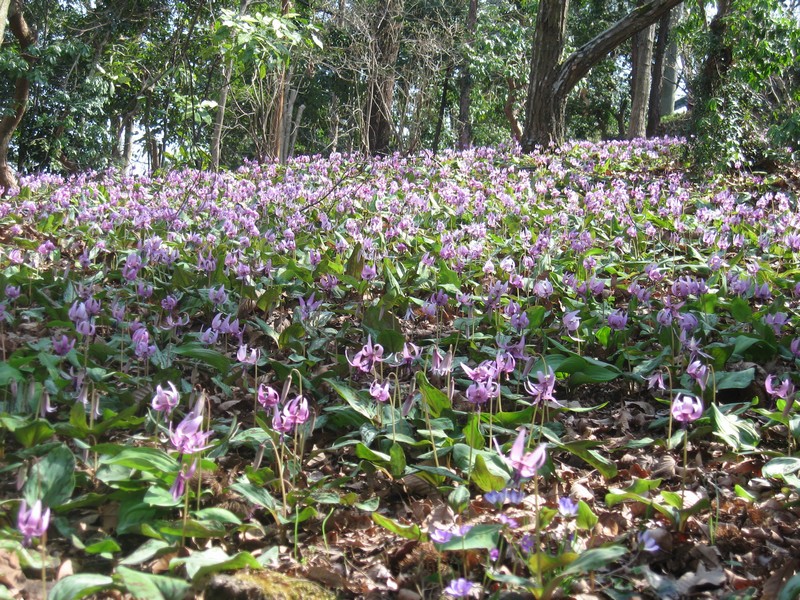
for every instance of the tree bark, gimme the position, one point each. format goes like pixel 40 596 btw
pixel 222 102
pixel 551 81
pixel 387 29
pixel 669 82
pixel 640 82
pixel 657 74
pixel 26 37
pixel 466 82
pixel 4 6
pixel 437 135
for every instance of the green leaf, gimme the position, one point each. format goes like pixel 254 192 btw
pixel 150 549
pixel 397 460
pixel 586 518
pixel 594 559
pixel 734 431
pixel 150 460
pixel 480 537
pixel 485 480
pixel 743 493
pixel 34 433
pixel 108 545
pixel 256 495
pixel 581 449
pixel 79 585
pixel 409 532
pixel 791 589
pixel 472 432
pixel 362 406
pixel 435 399
pixel 144 586
pixel 51 479
pixel 213 560
pixel 212 358
pixel 781 466
pixel 735 380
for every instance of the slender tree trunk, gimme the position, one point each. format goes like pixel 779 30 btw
pixel 222 103
pixel 279 122
pixel 640 83
pixel 26 37
pixel 509 111
pixel 437 135
pixel 465 82
pixel 381 95
pixel 551 81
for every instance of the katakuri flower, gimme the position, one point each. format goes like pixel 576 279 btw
pixel 165 400
pixel 686 408
pixel 524 464
pixel 32 522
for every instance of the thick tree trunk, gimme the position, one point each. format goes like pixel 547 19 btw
pixel 640 82
pixel 657 74
pixel 387 29
pixel 26 37
pixel 465 83
pixel 669 83
pixel 4 6
pixel 550 81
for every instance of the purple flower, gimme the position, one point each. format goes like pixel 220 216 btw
pixel 248 359
pixel 459 588
pixel 543 289
pixel 267 396
pixel 293 414
pixel 571 321
pixel 411 352
pixel 307 307
pixel 647 541
pixel 12 292
pixel 481 392
pixel 441 364
pixel 617 320
pixel 179 486
pixel 567 507
pixel 440 536
pixel 368 273
pixel 365 359
pixel 188 438
pixel 484 372
pixel 165 400
pixel 776 321
pixel 379 391
pixel 524 464
pixel 218 295
pixel 686 408
pixel 62 345
pixel 32 523
pixel 785 390
pixel 542 390
pixel 656 381
pixel 699 372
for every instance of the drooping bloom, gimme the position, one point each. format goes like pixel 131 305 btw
pixel 481 392
pixel 366 358
pixel 699 372
pixel 686 408
pixel 165 400
pixel 571 321
pixel 459 588
pixel 379 391
pixel 188 437
pixel 524 464
pixel 441 364
pixel 785 390
pixel 567 507
pixel 32 523
pixel 179 485
pixel 544 388
pixel 248 359
pixel 267 396
pixel 617 320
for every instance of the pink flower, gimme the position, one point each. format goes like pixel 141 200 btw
pixel 525 464
pixel 785 390
pixel 686 408
pixel 32 523
pixel 267 396
pixel 165 400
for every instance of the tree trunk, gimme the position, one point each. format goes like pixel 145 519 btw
pixel 4 6
pixel 657 74
pixel 509 111
pixel 720 54
pixel 669 82
pixel 465 82
pixel 281 116
pixel 437 135
pixel 387 29
pixel 222 102
pixel 640 82
pixel 550 81
pixel 26 37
